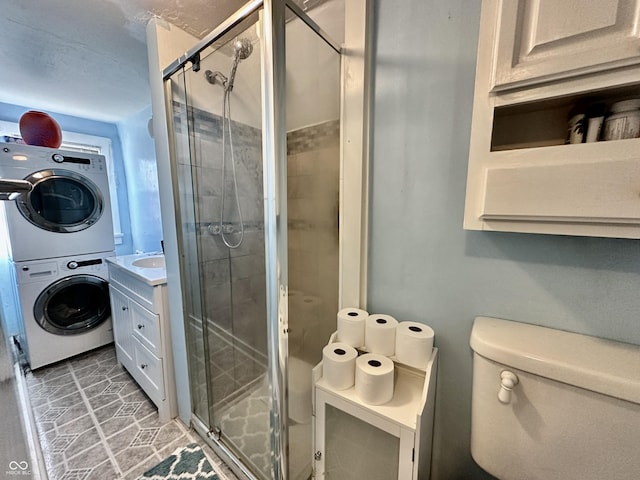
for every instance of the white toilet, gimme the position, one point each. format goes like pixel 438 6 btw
pixel 549 404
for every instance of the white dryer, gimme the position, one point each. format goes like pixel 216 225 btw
pixel 65 306
pixel 67 212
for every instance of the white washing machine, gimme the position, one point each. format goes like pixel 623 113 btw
pixel 67 212
pixel 65 306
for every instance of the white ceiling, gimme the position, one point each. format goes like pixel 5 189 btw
pixel 88 58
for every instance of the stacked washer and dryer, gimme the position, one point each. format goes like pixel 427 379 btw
pixel 60 233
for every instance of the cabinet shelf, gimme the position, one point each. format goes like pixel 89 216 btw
pixel 522 176
pixel 544 122
pixel 403 409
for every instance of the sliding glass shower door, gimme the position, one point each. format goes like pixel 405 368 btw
pixel 256 184
pixel 218 142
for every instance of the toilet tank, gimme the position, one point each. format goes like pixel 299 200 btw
pixel 573 414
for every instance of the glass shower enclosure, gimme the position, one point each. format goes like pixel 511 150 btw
pixel 254 114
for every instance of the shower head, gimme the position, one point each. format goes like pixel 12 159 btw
pixel 243 48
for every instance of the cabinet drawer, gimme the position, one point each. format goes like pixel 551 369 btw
pixel 148 371
pixel 146 327
pixel 133 287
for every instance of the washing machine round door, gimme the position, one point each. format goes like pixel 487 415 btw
pixel 61 201
pixel 73 305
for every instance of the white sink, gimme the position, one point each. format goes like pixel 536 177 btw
pixel 155 261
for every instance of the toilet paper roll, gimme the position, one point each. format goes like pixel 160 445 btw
pixel 380 334
pixel 414 342
pixel 339 365
pixel 374 378
pixel 351 326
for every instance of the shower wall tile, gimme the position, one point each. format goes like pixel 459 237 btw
pixel 313 137
pixel 252 210
pixel 209 180
pixel 185 185
pixel 244 324
pixel 218 295
pixel 212 247
pixel 221 317
pixel 249 287
pixel 253 244
pixel 247 266
pixel 216 272
pixel 207 209
pixel 313 207
pixel 302 212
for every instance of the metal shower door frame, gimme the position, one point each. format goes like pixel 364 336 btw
pixel 274 146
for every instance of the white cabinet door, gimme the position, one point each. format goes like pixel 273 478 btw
pixel 543 40
pixel 122 331
pixel 353 443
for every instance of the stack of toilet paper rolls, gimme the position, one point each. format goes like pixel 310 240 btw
pixel 382 336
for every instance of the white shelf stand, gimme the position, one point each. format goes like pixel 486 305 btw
pixel 407 418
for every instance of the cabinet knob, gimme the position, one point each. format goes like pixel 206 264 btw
pixel 140 326
pixel 143 366
pixel 124 308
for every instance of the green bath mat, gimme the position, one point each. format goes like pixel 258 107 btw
pixel 186 463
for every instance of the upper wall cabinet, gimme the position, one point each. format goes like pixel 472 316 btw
pixel 544 40
pixel 542 63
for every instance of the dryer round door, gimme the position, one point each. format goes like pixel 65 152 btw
pixel 61 201
pixel 73 305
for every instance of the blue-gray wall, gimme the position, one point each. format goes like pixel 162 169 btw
pixel 12 113
pixel 422 265
pixel 142 177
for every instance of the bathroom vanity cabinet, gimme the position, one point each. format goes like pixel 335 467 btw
pixel 142 332
pixel 540 62
pixel 354 440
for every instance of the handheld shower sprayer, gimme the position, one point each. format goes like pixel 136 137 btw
pixel 242 49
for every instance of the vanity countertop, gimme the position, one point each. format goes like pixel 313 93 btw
pixel 152 275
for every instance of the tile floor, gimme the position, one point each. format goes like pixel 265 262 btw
pixel 95 423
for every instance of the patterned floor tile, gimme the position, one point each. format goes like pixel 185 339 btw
pixel 61 442
pixel 127 409
pixel 50 414
pixel 114 425
pixel 88 458
pixel 131 457
pixel 95 423
pixel 83 442
pixel 67 401
pixel 121 440
pixel 104 471
pixel 73 413
pixel 145 437
pixel 136 472
pixel 77 426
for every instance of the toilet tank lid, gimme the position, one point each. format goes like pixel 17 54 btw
pixel 604 366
